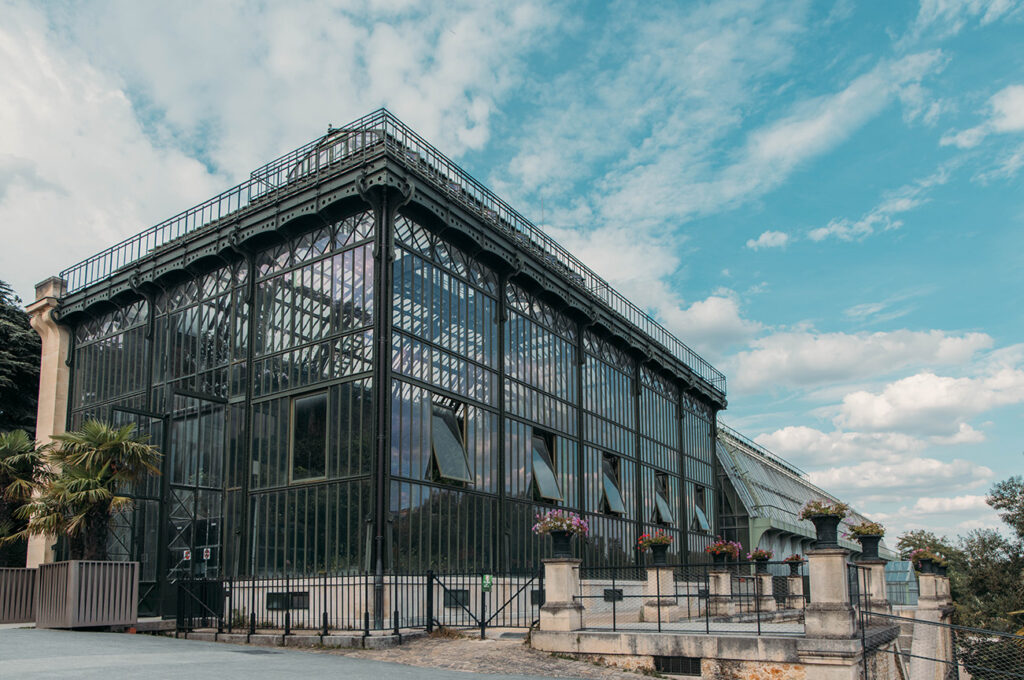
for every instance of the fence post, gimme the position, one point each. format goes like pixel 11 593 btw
pixel 430 601
pixel 324 618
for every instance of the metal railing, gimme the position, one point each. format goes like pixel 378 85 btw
pixel 359 604
pixel 953 651
pixel 355 144
pixel 630 598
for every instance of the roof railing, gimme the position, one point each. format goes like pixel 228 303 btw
pixel 353 144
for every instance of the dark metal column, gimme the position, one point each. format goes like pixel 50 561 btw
pixel 503 531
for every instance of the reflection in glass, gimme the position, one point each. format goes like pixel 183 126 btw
pixel 700 517
pixel 543 469
pixel 309 437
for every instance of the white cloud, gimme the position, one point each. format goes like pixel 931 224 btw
pixel 931 404
pixel 904 477
pixel 1006 114
pixel 806 358
pixel 769 239
pixel 1006 166
pixel 134 111
pixel 809 446
pixel 944 18
pixel 883 217
pixel 945 515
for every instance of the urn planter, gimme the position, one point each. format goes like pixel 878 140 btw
pixel 561 544
pixel 718 561
pixel 927 565
pixel 794 568
pixel 659 554
pixel 827 529
pixel 761 566
pixel 941 570
pixel 87 594
pixel 869 547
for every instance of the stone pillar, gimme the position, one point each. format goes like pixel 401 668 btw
pixel 720 594
pixel 561 610
pixel 795 587
pixel 765 593
pixel 930 641
pixel 660 604
pixel 52 411
pixel 829 614
pixel 878 594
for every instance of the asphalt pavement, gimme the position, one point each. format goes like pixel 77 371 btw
pixel 30 654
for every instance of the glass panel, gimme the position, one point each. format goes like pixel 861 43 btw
pixel 449 451
pixel 309 437
pixel 664 510
pixel 543 470
pixel 612 497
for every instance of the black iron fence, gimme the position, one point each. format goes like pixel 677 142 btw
pixel 753 598
pixel 360 604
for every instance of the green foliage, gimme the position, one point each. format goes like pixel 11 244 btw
pixel 19 364
pixel 1008 498
pixel 921 539
pixel 19 459
pixel 80 485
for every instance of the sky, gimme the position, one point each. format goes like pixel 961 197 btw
pixel 825 199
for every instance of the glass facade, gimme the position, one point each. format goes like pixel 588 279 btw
pixel 257 378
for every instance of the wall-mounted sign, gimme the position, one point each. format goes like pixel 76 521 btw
pixel 206 553
pixel 186 555
pixel 486 583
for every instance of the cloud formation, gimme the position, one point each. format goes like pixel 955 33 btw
pixel 1006 114
pixel 769 239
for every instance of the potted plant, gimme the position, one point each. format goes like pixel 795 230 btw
pixel 925 560
pixel 75 493
pixel 794 561
pixel 562 525
pixel 722 550
pixel 869 534
pixel 825 515
pixel 760 558
pixel 658 544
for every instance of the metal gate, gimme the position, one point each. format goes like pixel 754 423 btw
pixel 942 650
pixel 484 600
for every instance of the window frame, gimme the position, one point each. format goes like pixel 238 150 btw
pixel 291 434
pixel 700 510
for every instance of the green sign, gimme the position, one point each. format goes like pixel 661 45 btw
pixel 486 583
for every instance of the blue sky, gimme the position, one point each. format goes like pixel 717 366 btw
pixel 825 199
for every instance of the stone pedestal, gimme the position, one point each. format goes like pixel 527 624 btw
pixel 795 587
pixel 52 410
pixel 660 602
pixel 561 611
pixel 878 594
pixel 720 594
pixel 931 642
pixel 765 593
pixel 830 614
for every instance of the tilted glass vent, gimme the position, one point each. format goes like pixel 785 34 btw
pixel 662 509
pixel 700 515
pixel 449 452
pixel 544 469
pixel 612 500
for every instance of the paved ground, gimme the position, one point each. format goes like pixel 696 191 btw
pixel 29 654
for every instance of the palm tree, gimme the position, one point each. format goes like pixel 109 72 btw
pixel 19 463
pixel 81 484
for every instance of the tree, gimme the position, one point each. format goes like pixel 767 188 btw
pixel 80 485
pixel 1007 497
pixel 19 461
pixel 19 365
pixel 919 538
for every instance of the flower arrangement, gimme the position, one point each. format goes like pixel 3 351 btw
pixel 659 538
pixel 723 547
pixel 795 558
pixel 760 554
pixel 827 508
pixel 561 520
pixel 867 528
pixel 916 556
